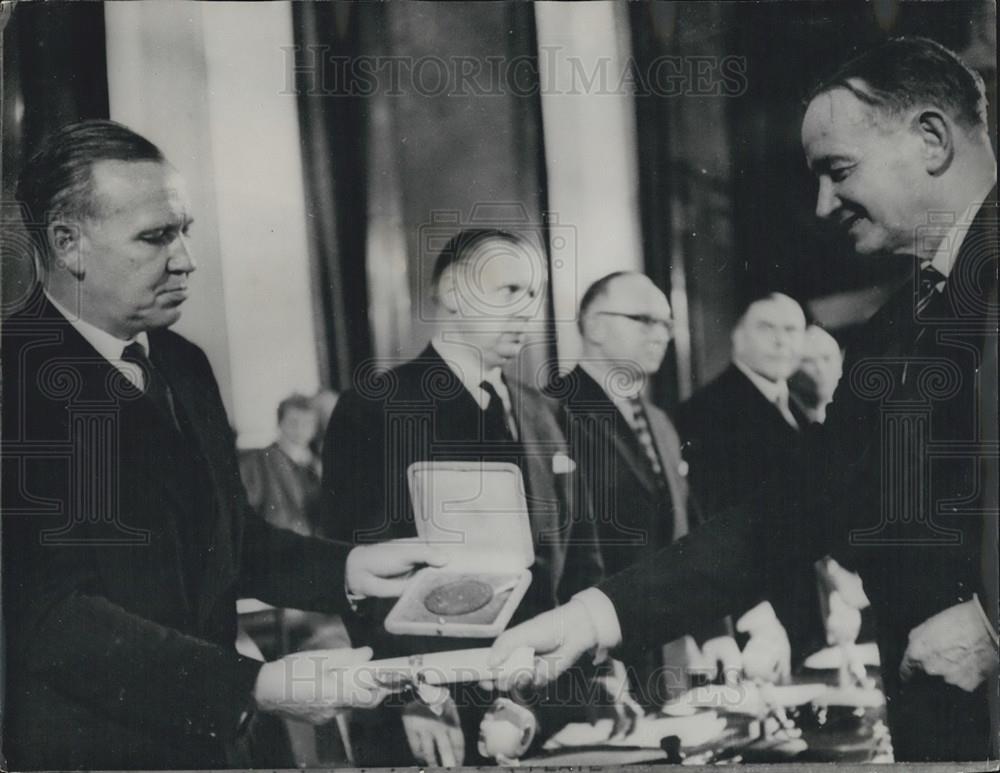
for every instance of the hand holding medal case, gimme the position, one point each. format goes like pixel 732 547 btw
pixel 476 512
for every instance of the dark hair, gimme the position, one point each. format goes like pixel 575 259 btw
pixel 295 402
pixel 57 178
pixel 753 300
pixel 598 290
pixel 904 72
pixel 462 245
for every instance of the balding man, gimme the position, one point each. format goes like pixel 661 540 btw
pixel 896 137
pixel 742 429
pixel 627 447
pixel 127 536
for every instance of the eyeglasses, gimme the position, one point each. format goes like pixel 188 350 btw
pixel 648 323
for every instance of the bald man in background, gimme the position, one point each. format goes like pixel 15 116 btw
pixel 627 448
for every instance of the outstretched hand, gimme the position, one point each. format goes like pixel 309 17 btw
pixel 559 637
pixel 383 570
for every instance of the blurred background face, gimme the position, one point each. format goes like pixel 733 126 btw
pixel 769 337
pixel 822 362
pixel 633 323
pixel 297 427
pixel 495 293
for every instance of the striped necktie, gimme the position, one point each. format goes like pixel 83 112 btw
pixel 640 425
pixel 931 281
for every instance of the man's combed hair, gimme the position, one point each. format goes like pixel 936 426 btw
pixel 464 244
pixel 57 179
pixel 902 73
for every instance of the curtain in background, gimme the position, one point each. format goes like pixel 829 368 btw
pixel 54 73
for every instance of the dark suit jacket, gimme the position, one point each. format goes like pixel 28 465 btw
pixel 734 440
pixel 125 546
pixel 420 411
pixel 635 515
pixel 871 495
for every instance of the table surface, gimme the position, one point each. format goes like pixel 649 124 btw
pixel 838 734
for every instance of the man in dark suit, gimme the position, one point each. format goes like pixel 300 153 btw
pixel 126 532
pixel 453 402
pixel 741 429
pixel 632 454
pixel 627 448
pixel 896 135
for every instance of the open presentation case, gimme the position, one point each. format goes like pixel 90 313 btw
pixel 476 512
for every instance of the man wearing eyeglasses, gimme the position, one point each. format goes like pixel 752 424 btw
pixel 628 449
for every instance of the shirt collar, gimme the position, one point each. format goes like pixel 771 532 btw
pixel 467 364
pixel 772 390
pixel 944 256
pixel 620 397
pixel 108 346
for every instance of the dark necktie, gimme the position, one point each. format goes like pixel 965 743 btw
pixel 930 283
pixel 495 426
pixel 156 388
pixel 640 425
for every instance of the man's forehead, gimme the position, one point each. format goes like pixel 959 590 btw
pixel 776 309
pixel 834 121
pixel 136 186
pixel 638 292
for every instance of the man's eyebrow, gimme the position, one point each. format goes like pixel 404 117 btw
pixel 827 161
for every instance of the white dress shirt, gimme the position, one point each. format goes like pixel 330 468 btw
pixel 775 392
pixel 108 346
pixel 466 363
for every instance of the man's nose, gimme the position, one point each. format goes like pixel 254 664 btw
pixel 181 260
pixel 826 200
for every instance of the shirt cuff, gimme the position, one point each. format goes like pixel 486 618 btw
pixel 603 617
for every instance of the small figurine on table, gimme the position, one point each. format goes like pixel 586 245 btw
pixel 506 732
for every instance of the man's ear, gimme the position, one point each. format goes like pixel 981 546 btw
pixel 446 292
pixel 65 241
pixel 937 134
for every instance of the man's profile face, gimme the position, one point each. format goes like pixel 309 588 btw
pixel 636 321
pixel 870 170
pixel 134 248
pixel 768 339
pixel 497 289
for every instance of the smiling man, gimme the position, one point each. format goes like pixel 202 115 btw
pixel 127 536
pixel 898 141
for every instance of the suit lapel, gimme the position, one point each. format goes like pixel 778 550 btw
pixel 590 397
pixel 193 397
pixel 102 386
pixel 540 439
